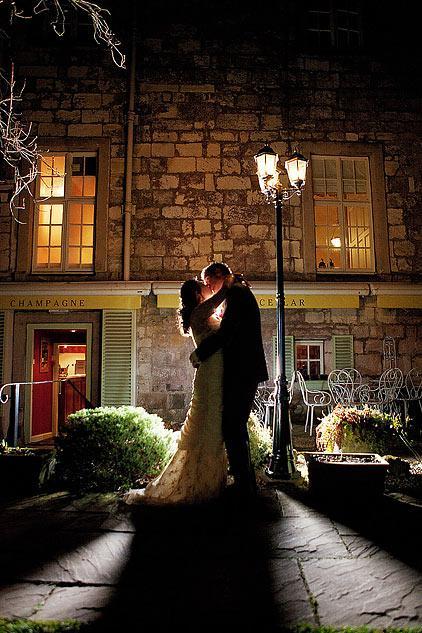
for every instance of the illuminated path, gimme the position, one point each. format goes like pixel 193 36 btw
pixel 213 568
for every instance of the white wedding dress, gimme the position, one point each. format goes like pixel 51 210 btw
pixel 197 471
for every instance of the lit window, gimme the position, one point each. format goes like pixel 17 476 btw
pixel 343 214
pixel 310 359
pixel 65 213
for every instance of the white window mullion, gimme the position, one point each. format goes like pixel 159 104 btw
pixel 344 238
pixel 66 212
pixel 65 237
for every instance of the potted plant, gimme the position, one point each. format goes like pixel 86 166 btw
pixel 346 476
pixel 23 469
pixel 349 444
pixel 359 430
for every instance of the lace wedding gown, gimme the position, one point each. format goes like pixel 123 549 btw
pixel 198 469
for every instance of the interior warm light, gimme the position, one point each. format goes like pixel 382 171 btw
pixel 336 242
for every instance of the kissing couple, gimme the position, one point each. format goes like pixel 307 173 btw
pixel 222 316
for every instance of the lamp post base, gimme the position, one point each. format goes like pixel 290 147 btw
pixel 279 469
pixel 281 464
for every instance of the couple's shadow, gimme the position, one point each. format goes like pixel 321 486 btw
pixel 195 569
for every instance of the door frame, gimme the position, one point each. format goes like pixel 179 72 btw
pixel 30 330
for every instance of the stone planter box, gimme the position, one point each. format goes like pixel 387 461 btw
pixel 20 473
pixel 346 476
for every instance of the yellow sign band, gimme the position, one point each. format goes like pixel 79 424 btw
pixel 399 301
pixel 69 302
pixel 298 302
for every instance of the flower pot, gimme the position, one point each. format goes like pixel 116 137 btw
pixel 346 476
pixel 20 472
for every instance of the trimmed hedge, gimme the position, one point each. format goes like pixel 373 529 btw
pixel 112 448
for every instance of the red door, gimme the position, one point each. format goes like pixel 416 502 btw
pixel 42 395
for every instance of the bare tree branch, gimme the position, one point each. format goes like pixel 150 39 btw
pixel 56 8
pixel 18 147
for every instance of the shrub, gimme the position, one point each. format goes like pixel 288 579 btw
pixel 260 442
pixel 111 448
pixel 359 430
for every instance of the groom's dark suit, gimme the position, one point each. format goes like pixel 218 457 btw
pixel 240 338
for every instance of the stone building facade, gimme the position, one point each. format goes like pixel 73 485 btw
pixel 208 93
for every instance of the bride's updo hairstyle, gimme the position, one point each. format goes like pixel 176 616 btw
pixel 188 301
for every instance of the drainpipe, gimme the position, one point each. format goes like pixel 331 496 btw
pixel 128 206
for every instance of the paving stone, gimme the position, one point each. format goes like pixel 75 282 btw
pixel 42 502
pixel 343 529
pixel 288 592
pixel 120 523
pixel 139 560
pixel 293 507
pixel 360 547
pixel 21 600
pixel 306 537
pixel 85 604
pixel 98 558
pixel 379 591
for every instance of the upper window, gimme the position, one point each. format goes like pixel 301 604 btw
pixel 329 26
pixel 64 216
pixel 342 214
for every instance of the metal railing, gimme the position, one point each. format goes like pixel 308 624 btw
pixel 15 400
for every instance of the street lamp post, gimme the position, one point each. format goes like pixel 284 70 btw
pixel 281 464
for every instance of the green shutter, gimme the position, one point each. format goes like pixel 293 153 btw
pixel 118 358
pixel 2 326
pixel 342 351
pixel 289 344
pixel 289 348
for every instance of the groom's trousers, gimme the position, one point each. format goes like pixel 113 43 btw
pixel 238 397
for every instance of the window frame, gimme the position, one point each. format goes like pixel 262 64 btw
pixel 333 14
pixel 25 238
pixel 341 203
pixel 381 254
pixel 315 342
pixel 65 201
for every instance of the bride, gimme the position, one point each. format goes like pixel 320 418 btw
pixel 197 471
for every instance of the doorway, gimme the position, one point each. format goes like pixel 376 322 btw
pixel 59 356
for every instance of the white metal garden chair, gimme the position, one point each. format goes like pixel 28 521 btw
pixel 312 398
pixel 390 383
pixel 264 402
pixel 412 390
pixel 343 385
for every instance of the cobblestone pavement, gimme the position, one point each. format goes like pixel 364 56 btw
pixel 211 568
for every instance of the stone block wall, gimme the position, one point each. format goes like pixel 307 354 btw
pixel 164 380
pixel 206 101
pixel 73 92
pixel 206 106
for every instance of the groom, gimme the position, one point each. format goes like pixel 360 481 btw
pixel 240 338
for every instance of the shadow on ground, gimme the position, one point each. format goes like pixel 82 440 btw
pixel 387 523
pixel 196 569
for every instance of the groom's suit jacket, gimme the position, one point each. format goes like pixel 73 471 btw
pixel 240 338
